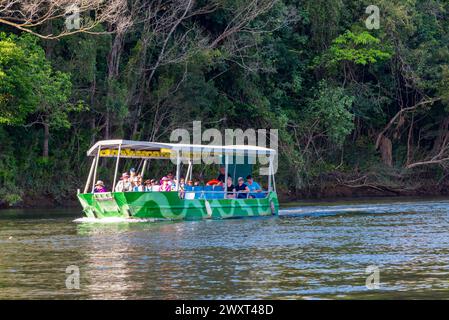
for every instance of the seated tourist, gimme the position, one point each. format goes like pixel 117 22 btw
pixel 170 177
pixel 154 185
pixel 138 185
pixel 242 189
pixel 182 184
pixel 132 173
pixel 253 187
pixel 147 186
pixel 165 186
pixel 181 188
pixel 230 188
pixel 124 184
pixel 99 187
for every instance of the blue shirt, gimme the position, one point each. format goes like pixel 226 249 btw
pixel 252 187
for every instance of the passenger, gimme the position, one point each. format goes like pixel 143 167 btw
pixel 221 176
pixel 242 189
pixel 181 188
pixel 138 187
pixel 147 185
pixel 154 185
pixel 190 183
pixel 196 183
pixel 165 186
pixel 253 186
pixel 99 187
pixel 132 173
pixel 173 183
pixel 182 184
pixel 230 188
pixel 169 176
pixel 124 184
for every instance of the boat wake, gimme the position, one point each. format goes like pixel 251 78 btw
pixel 113 220
pixel 391 208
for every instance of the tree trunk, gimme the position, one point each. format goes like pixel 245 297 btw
pixel 46 138
pixel 385 148
pixel 106 125
pixel 113 74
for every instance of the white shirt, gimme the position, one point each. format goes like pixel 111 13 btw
pixel 123 186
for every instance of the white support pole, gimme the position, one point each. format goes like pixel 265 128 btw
pixel 178 167
pixel 90 175
pixel 96 166
pixel 143 168
pixel 225 187
pixel 269 176
pixel 189 168
pixel 116 167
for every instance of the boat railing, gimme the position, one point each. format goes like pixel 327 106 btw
pixel 198 192
pixel 190 194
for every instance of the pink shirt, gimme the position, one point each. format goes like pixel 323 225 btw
pixel 167 187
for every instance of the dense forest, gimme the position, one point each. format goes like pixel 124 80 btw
pixel 361 104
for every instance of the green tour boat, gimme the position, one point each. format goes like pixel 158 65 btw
pixel 190 203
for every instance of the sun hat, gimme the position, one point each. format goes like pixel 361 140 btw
pixel 99 183
pixel 164 179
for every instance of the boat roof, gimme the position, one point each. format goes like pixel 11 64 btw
pixel 156 146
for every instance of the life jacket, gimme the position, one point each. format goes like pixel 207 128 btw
pixel 213 182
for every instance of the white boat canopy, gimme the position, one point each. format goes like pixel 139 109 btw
pixel 174 151
pixel 157 150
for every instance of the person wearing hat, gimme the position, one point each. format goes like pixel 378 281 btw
pixel 242 189
pixel 99 187
pixel 138 185
pixel 165 186
pixel 124 184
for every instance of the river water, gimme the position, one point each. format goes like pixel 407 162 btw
pixel 311 251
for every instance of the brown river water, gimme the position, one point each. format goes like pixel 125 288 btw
pixel 311 251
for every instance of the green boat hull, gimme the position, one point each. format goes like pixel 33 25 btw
pixel 169 206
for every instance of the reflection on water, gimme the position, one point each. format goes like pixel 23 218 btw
pixel 309 252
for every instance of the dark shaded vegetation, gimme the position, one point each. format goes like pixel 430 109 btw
pixel 359 111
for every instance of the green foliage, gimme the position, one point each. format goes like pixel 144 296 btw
pixel 19 61
pixel 331 107
pixel 323 80
pixel 360 48
pixel 28 83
